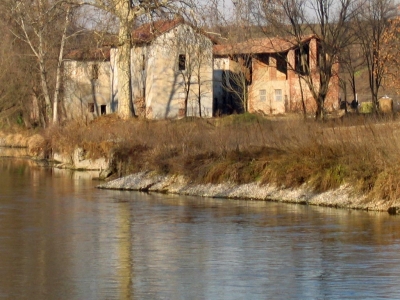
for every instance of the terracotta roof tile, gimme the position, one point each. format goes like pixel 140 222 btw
pixel 142 35
pixel 263 45
pixel 147 32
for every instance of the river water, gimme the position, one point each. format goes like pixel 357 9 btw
pixel 61 238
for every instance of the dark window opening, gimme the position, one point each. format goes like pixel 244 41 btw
pixel 302 60
pixel 143 62
pixel 91 107
pixel 182 62
pixel 95 71
pixel 103 109
pixel 281 63
pixel 264 58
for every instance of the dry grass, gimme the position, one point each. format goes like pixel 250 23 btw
pixel 361 151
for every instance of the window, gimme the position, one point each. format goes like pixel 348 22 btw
pixel 91 107
pixel 302 60
pixel 103 109
pixel 278 95
pixel 95 71
pixel 263 95
pixel 182 62
pixel 281 63
pixel 143 62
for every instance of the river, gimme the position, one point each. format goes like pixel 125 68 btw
pixel 61 238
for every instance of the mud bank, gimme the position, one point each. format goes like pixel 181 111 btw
pixel 343 197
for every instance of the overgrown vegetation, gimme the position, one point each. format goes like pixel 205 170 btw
pixel 360 151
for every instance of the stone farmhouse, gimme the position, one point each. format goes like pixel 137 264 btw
pixel 172 74
pixel 269 71
pixel 178 70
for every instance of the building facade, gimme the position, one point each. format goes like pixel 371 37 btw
pixel 87 82
pixel 171 74
pixel 172 71
pixel 273 74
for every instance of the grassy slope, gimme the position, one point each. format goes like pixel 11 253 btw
pixel 246 148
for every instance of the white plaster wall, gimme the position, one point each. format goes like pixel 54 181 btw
pixel 80 89
pixel 162 81
pixel 165 84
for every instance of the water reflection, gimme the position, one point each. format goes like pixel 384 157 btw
pixel 60 238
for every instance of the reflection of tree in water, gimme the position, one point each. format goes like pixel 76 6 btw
pixel 125 262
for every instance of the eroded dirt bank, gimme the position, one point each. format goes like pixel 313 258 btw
pixel 353 166
pixel 342 197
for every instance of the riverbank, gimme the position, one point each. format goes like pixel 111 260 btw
pixel 343 197
pixel 351 163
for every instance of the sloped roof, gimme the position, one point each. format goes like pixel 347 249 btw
pixel 99 54
pixel 257 46
pixel 142 35
pixel 149 31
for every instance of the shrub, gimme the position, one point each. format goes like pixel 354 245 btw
pixel 366 107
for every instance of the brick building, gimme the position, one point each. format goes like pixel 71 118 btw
pixel 273 71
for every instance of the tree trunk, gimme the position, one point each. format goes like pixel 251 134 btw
pixel 319 113
pixel 187 85
pixel 46 95
pixel 321 96
pixel 59 65
pixel 245 96
pixel 303 104
pixel 375 104
pixel 199 96
pixel 125 107
pixel 353 85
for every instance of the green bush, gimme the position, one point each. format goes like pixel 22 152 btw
pixel 366 107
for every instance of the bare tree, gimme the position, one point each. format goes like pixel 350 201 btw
pixel 328 20
pixel 390 52
pixel 127 13
pixel 372 24
pixel 42 25
pixel 16 76
pixel 202 54
pixel 237 78
pixel 194 63
pixel 351 62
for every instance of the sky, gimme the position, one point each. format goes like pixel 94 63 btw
pixel 94 19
